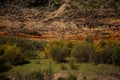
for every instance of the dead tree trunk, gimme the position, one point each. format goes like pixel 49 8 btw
pixel 56 13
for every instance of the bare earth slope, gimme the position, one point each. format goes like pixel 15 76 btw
pixel 41 23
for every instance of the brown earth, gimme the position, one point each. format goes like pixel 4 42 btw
pixel 36 24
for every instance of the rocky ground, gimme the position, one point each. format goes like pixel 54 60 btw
pixel 44 23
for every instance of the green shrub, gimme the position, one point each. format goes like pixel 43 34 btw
pixel 82 51
pixel 13 55
pixel 23 43
pixel 4 66
pixel 107 53
pixel 28 47
pixel 57 50
pixel 112 50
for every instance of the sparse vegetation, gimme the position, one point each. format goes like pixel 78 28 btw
pixel 96 52
pixel 16 51
pixel 13 55
pixel 59 39
pixel 69 53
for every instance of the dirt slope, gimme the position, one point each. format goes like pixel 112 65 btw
pixel 59 24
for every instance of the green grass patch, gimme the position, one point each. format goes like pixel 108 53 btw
pixel 83 68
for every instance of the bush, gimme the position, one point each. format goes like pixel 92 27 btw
pixel 23 43
pixel 13 55
pixel 4 66
pixel 82 51
pixel 27 46
pixel 107 53
pixel 112 51
pixel 57 50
